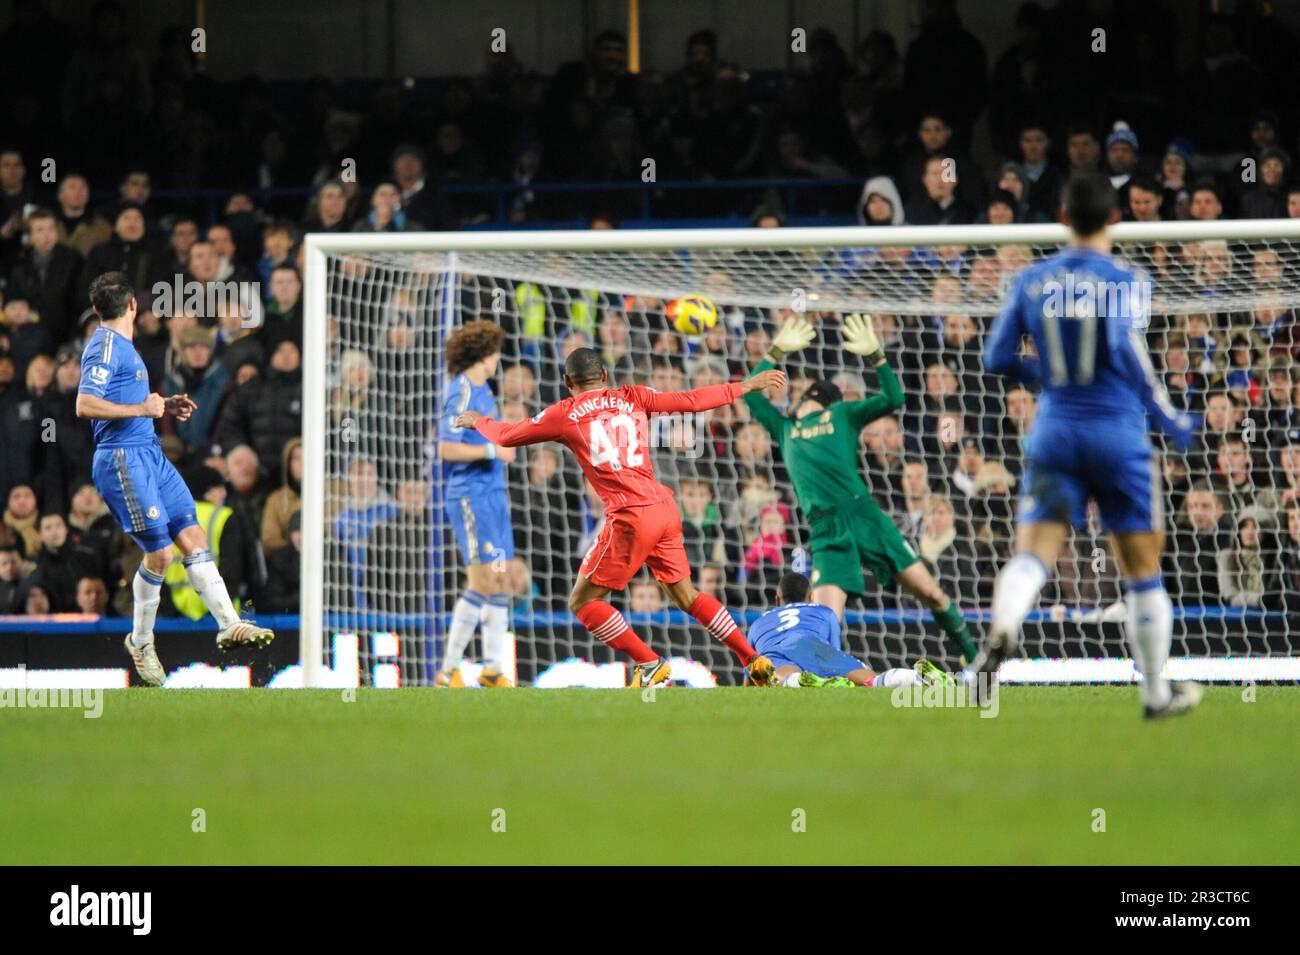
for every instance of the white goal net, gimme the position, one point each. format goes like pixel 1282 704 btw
pixel 381 565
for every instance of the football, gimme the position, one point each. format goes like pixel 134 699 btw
pixel 692 314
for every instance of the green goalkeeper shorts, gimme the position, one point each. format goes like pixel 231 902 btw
pixel 851 538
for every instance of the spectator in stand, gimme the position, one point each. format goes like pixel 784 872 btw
pixel 17 199
pixel 222 241
pixel 420 201
pixel 284 570
pixel 1082 150
pixel 247 488
pixel 60 563
pixel 46 276
pixel 945 546
pixel 278 241
pixel 285 501
pixel 12 578
pixel 880 203
pixel 1205 205
pixel 92 596
pixel 768 553
pixel 1265 197
pixel 27 336
pixel 204 380
pixel 1045 181
pixel 22 517
pixel 1175 181
pixel 910 515
pixel 1245 574
pixel 64 463
pixel 35 597
pixel 934 140
pixel 1144 197
pixel 127 251
pixel 282 315
pixel 1121 159
pixel 171 262
pixel 237 343
pixel 708 539
pixel 646 596
pixel 83 228
pixel 1234 480
pixel 386 213
pixel 91 526
pixel 1192 563
pixel 266 412
pixel 937 203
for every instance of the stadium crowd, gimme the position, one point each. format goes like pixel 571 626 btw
pixel 947 468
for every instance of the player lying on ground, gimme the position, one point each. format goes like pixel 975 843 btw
pixel 802 640
pixel 819 445
pixel 607 429
pixel 139 485
pixel 1090 438
pixel 477 505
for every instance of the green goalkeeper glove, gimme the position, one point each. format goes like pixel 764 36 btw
pixel 860 338
pixel 794 334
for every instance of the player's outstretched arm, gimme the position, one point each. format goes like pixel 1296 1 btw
pixel 93 406
pixel 546 426
pixel 860 339
pixel 794 335
pixel 711 396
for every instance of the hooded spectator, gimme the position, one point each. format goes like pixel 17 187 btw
pixel 204 380
pixel 284 502
pixel 880 203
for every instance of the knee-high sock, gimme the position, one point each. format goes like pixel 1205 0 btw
pixel 951 622
pixel 464 618
pixel 1016 591
pixel 608 626
pixel 718 621
pixel 146 590
pixel 207 583
pixel 897 676
pixel 495 620
pixel 1150 630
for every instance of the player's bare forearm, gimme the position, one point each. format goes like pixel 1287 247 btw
pixel 101 409
pixel 458 452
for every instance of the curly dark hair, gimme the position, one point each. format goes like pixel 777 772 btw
pixel 473 342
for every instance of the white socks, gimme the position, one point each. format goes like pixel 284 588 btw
pixel 496 618
pixel 146 588
pixel 1150 630
pixel 464 618
pixel 1016 591
pixel 207 583
pixel 897 676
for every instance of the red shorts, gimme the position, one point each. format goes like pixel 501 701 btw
pixel 634 537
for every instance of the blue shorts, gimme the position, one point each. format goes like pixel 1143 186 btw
pixel 811 654
pixel 1068 463
pixel 145 494
pixel 482 527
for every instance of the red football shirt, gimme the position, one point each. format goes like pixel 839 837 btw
pixel 609 431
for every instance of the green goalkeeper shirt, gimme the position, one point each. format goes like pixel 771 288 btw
pixel 820 450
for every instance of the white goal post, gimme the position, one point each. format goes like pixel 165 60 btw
pixel 1225 270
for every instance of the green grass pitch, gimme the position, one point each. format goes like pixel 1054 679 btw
pixel 419 776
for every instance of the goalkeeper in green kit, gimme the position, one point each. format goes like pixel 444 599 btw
pixel 819 444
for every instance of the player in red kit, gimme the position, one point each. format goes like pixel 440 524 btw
pixel 608 429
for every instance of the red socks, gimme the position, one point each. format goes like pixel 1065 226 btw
pixel 608 626
pixel 715 618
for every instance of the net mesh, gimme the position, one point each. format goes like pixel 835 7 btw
pixel 946 469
